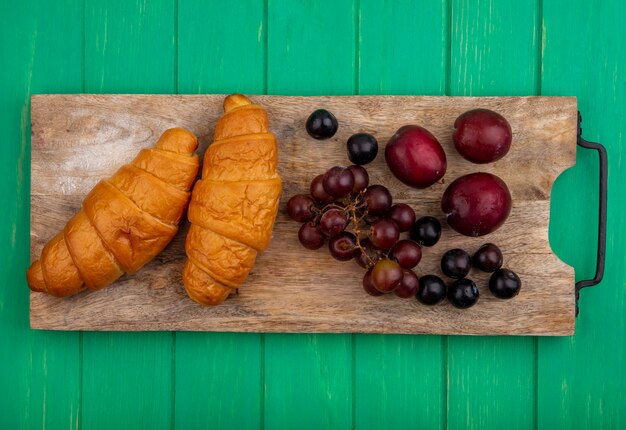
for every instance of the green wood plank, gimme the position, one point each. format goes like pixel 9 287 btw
pixel 399 382
pixel 218 381
pixel 39 375
pixel 402 50
pixel 582 380
pixel 494 51
pixel 222 371
pixel 226 56
pixel 308 378
pixel 311 47
pixel 130 46
pixel 127 377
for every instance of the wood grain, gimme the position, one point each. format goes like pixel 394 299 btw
pixel 79 139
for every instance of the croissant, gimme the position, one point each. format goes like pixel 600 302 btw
pixel 234 205
pixel 124 222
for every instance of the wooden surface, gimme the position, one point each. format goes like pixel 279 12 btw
pixel 77 140
pixel 194 380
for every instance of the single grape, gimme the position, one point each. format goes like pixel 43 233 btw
pixel 456 263
pixel 408 285
pixel 343 246
pixel 426 231
pixel 368 255
pixel 384 233
pixel 368 284
pixel 333 222
pixel 321 124
pixel 377 199
pixel 362 148
pixel 488 258
pixel 432 290
pixel 386 275
pixel 299 208
pixel 310 236
pixel 338 181
pixel 403 215
pixel 407 253
pixel 463 293
pixel 504 284
pixel 318 192
pixel 361 178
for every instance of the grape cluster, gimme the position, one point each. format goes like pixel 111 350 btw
pixel 359 221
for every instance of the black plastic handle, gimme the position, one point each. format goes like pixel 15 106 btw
pixel 604 171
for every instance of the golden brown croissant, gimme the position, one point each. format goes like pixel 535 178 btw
pixel 234 205
pixel 124 222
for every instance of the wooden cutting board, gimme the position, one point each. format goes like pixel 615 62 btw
pixel 79 139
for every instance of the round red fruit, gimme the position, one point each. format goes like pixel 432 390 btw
pixel 300 208
pixel 482 136
pixel 415 156
pixel 386 275
pixel 476 204
pixel 407 253
pixel 408 285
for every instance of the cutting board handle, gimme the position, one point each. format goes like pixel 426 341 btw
pixel 604 171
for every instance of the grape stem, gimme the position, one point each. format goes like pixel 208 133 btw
pixel 355 223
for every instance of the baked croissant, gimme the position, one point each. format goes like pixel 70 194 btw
pixel 124 222
pixel 234 205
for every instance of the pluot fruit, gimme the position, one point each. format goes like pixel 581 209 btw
pixel 482 136
pixel 415 156
pixel 476 204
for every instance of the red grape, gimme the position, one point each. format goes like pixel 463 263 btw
pixel 377 199
pixel 318 192
pixel 321 124
pixel 384 233
pixel 408 286
pixel 432 290
pixel 368 255
pixel 456 263
pixel 426 231
pixel 386 275
pixel 338 181
pixel 504 284
pixel 310 236
pixel 362 148
pixel 407 253
pixel 463 293
pixel 403 215
pixel 361 178
pixel 343 246
pixel 299 208
pixel 368 284
pixel 488 258
pixel 333 222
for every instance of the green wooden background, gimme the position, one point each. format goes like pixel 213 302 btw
pixel 87 380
